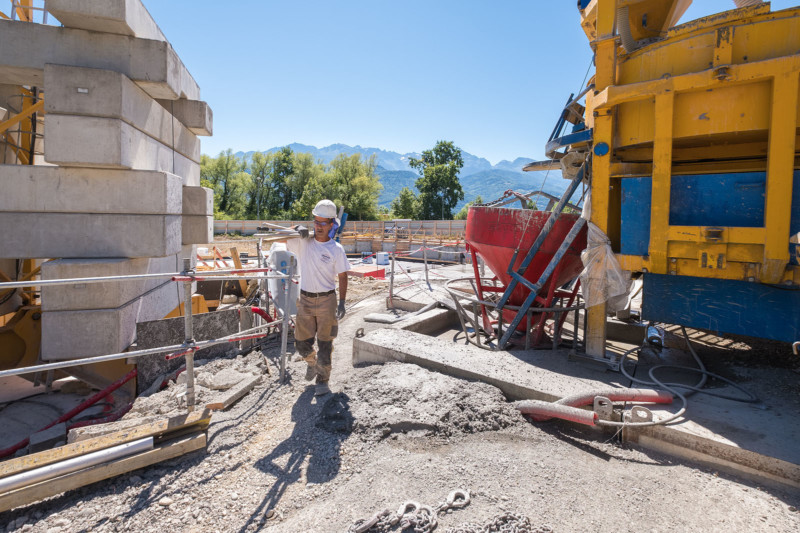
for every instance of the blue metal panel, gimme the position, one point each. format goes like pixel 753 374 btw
pixel 735 200
pixel 725 306
pixel 635 214
pixel 794 223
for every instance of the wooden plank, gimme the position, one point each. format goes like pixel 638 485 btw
pixel 51 487
pixel 237 261
pixel 92 444
pixel 235 394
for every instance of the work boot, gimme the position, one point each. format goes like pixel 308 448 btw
pixel 311 372
pixel 321 389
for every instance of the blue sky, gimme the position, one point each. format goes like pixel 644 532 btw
pixel 489 76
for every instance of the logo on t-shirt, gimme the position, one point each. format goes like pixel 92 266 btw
pixel 325 258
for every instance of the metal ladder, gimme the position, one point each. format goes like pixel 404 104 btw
pixel 518 276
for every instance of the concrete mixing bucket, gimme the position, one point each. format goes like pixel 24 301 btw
pixel 495 232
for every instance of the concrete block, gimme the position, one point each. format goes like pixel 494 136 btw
pixel 194 114
pixel 123 17
pixel 76 334
pixel 105 93
pixel 169 331
pixel 153 65
pixel 48 439
pixel 198 201
pixel 108 143
pixel 28 188
pixel 82 296
pixel 190 251
pixel 45 235
pixel 197 229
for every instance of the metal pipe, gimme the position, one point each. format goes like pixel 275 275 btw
pixel 216 274
pixel 285 320
pixel 188 339
pixel 391 283
pixel 61 468
pixel 133 354
pixel 425 259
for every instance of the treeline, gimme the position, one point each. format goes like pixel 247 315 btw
pixel 285 185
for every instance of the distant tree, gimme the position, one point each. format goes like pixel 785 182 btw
pixel 306 170
pixel 318 187
pixel 438 185
pixel 383 212
pixel 405 205
pixel 462 215
pixel 225 174
pixel 260 186
pixel 358 187
pixel 282 172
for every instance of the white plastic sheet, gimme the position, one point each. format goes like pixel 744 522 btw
pixel 602 279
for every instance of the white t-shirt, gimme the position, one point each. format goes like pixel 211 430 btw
pixel 320 263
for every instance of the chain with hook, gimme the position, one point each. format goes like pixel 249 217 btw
pixel 411 514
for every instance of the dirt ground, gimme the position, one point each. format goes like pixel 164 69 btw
pixel 281 460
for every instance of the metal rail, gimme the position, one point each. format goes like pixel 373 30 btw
pixel 215 274
pixel 189 346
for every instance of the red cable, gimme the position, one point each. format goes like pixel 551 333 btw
pixel 5 452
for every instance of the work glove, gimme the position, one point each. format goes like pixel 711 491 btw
pixel 302 230
pixel 340 311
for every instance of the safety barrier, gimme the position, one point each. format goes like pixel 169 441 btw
pixel 189 346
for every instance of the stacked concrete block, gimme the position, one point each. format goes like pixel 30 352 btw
pixel 121 193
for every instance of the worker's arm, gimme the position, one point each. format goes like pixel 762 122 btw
pixel 342 294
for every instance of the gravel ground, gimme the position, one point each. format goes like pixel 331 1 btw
pixel 281 460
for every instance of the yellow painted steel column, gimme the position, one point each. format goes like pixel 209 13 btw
pixel 601 121
pixel 780 174
pixel 662 182
pixel 601 183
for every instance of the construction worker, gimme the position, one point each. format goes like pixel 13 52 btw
pixel 321 261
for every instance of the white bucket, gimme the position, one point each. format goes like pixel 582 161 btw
pixel 382 258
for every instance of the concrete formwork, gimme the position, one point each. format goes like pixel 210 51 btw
pixel 81 141
pixel 85 333
pixel 123 17
pixel 50 189
pixel 153 65
pixel 105 93
pixel 90 235
pixel 119 193
pixel 194 114
pixel 103 295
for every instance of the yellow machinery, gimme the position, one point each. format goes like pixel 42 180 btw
pixel 693 134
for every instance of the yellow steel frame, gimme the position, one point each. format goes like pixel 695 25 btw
pixel 754 254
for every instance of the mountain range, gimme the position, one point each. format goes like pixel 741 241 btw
pixel 478 176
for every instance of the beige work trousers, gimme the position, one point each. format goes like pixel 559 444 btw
pixel 316 318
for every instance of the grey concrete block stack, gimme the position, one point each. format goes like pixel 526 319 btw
pixel 118 191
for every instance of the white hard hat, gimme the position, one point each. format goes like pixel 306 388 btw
pixel 325 209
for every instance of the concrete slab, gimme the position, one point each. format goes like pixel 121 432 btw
pixel 758 441
pixel 82 141
pixel 198 201
pixel 46 189
pixel 76 334
pixel 169 331
pixel 153 65
pixel 48 438
pixel 123 17
pixel 194 114
pixel 105 93
pixel 197 229
pixel 46 235
pixel 110 295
